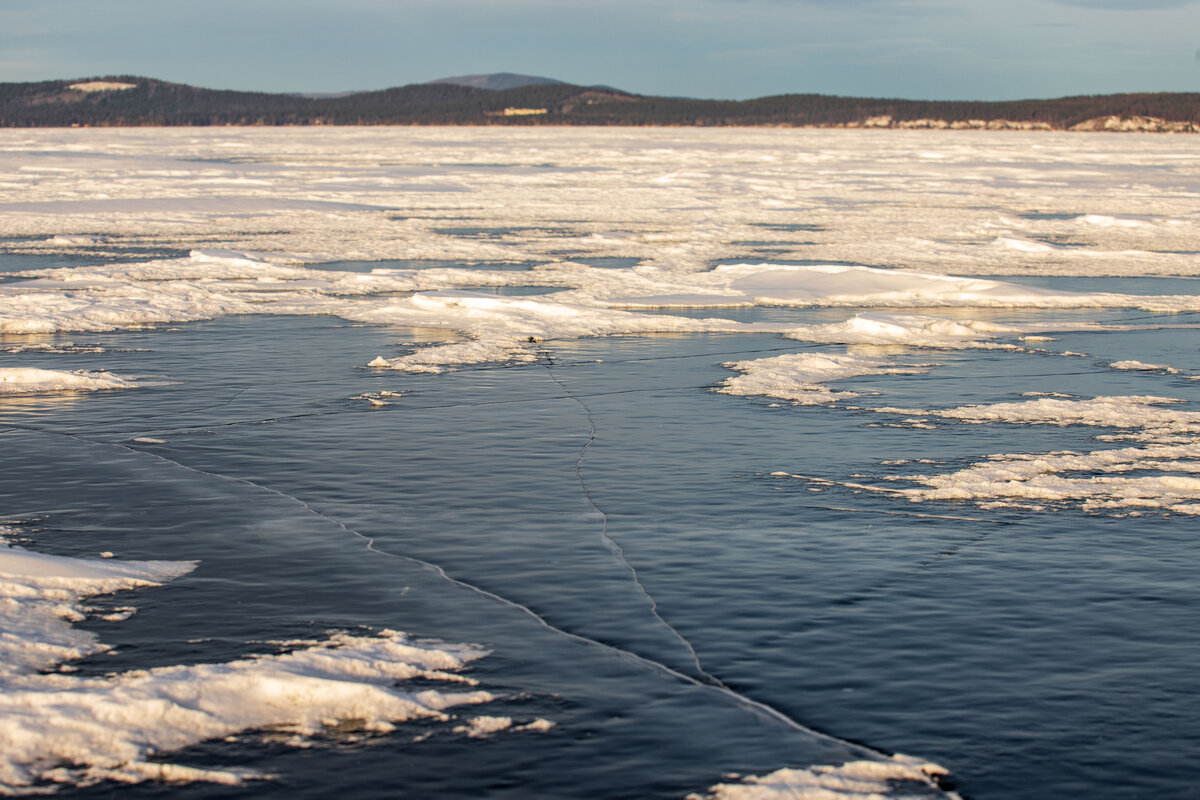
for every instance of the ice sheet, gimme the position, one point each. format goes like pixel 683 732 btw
pixel 728 218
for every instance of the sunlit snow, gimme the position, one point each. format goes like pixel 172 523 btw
pixel 915 245
pixel 60 728
pixel 29 380
pixel 857 780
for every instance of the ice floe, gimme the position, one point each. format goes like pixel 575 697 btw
pixel 503 328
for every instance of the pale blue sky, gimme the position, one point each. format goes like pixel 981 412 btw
pixel 938 49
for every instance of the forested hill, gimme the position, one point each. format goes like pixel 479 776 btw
pixel 136 101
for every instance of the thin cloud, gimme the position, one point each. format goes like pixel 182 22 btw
pixel 1126 5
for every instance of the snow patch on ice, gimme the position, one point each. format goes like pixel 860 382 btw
pixel 378 399
pixel 1160 473
pixel 1145 417
pixel 484 727
pixel 30 380
pixel 503 328
pixel 855 780
pixel 40 595
pixel 1106 221
pixel 60 348
pixel 210 284
pixel 1091 480
pixel 59 728
pixel 1142 367
pixel 800 377
pixel 75 240
pixel 905 329
pixel 537 726
pixel 839 285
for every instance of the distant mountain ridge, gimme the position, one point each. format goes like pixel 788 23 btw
pixel 125 100
pixel 499 81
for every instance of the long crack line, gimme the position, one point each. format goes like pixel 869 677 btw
pixel 711 683
pixel 611 544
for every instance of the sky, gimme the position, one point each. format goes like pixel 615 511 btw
pixel 734 49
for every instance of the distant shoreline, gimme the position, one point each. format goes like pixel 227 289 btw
pixel 130 101
pixel 1014 126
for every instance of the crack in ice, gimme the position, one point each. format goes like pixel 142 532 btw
pixel 709 682
pixel 184 430
pixel 199 409
pixel 609 543
pixel 706 679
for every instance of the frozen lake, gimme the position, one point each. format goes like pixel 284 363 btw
pixel 675 455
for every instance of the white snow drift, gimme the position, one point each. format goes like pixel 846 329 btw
pixel 209 284
pixel 59 728
pixel 801 377
pixel 855 780
pixel 30 380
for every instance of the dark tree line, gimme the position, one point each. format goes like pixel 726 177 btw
pixel 152 102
